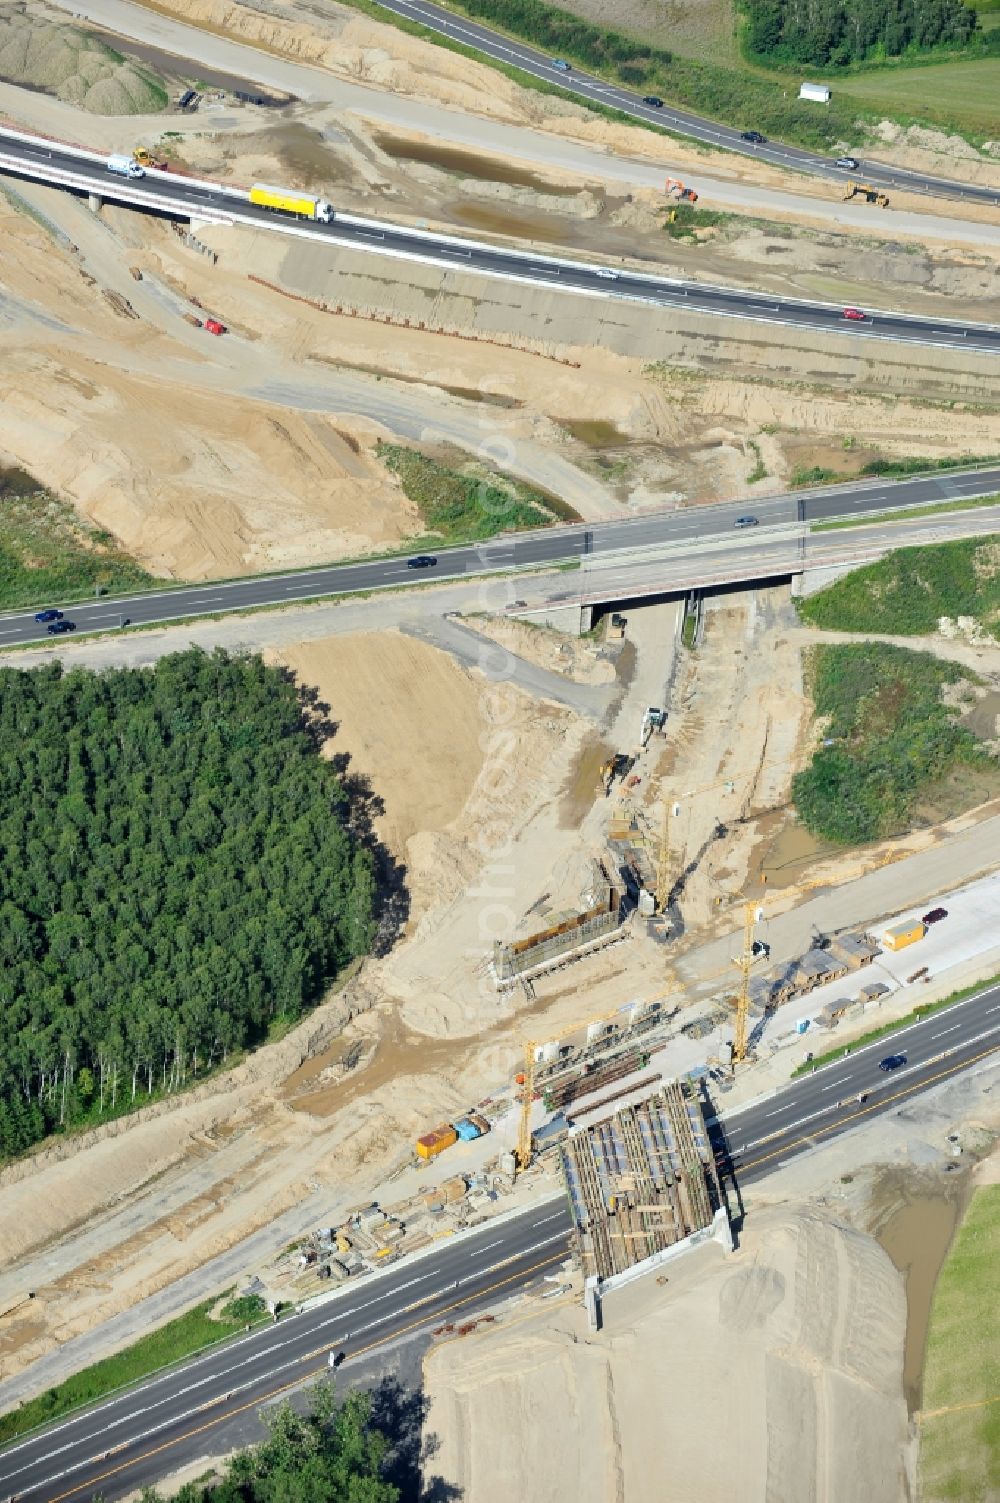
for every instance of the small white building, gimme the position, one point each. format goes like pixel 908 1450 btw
pixel 819 93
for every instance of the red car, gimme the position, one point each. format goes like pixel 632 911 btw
pixel 855 314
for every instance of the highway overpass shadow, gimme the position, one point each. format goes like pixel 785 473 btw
pixel 725 1165
pixel 392 897
pixel 400 1413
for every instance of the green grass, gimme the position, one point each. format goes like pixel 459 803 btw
pixel 907 514
pixel 47 553
pixel 964 92
pixel 889 740
pixel 469 504
pixel 177 1339
pixel 688 631
pixel 891 469
pixel 907 592
pixel 759 471
pixel 960 1450
pixel 874 1034
pixel 745 95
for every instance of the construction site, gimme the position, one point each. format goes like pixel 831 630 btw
pixel 640 1180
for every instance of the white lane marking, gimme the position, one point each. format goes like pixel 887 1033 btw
pixel 245 1362
pixel 835 1083
pixel 485 1245
pixel 946 1030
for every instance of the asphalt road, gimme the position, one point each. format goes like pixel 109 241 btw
pixel 595 90
pixel 169 1421
pixel 503 555
pixel 43 161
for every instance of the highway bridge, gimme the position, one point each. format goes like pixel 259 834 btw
pixel 202 1407
pixel 81 171
pixel 653 553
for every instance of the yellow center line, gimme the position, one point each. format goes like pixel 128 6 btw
pixel 297 1382
pixel 878 1106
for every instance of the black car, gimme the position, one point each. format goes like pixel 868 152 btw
pixel 746 522
pixel 754 136
pixel 50 615
pixel 57 628
pixel 653 102
pixel 892 1062
pixel 934 917
pixel 421 561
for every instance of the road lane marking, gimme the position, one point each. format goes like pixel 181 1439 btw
pixel 946 1030
pixel 877 1106
pixel 274 1393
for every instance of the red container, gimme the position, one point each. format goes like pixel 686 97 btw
pixel 214 327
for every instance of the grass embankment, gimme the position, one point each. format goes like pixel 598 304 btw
pixel 960 1419
pixel 874 1034
pixel 179 1338
pixel 907 592
pixel 47 553
pixel 907 514
pixel 892 469
pixel 889 744
pixel 745 95
pixel 470 504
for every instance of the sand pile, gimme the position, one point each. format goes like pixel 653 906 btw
pixel 75 67
pixel 774 1375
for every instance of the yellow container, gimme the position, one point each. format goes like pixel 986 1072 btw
pixel 901 935
pixel 437 1141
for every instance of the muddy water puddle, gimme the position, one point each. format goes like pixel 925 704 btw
pixel 307 159
pixel 580 792
pixel 460 163
pixel 596 433
pixel 497 220
pixel 787 853
pixel 914 1218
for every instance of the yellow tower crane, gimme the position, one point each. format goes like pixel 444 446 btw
pixel 526 1093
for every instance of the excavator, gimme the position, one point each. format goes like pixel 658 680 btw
pixel 868 193
pixel 674 188
pixel 145 158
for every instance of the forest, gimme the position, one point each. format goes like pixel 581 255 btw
pixel 835 33
pixel 180 872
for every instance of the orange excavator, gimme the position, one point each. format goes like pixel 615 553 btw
pixel 674 188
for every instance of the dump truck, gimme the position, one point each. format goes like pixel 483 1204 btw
pixel 124 166
pixel 901 935
pixel 287 201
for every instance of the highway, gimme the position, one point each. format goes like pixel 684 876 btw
pixel 595 90
pixel 47 161
pixel 504 555
pixel 134 1438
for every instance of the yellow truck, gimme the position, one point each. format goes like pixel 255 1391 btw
pixel 901 935
pixel 288 201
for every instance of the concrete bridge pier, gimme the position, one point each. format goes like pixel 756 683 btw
pixel 94 202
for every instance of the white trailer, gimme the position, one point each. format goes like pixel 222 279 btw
pixel 124 166
pixel 819 93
